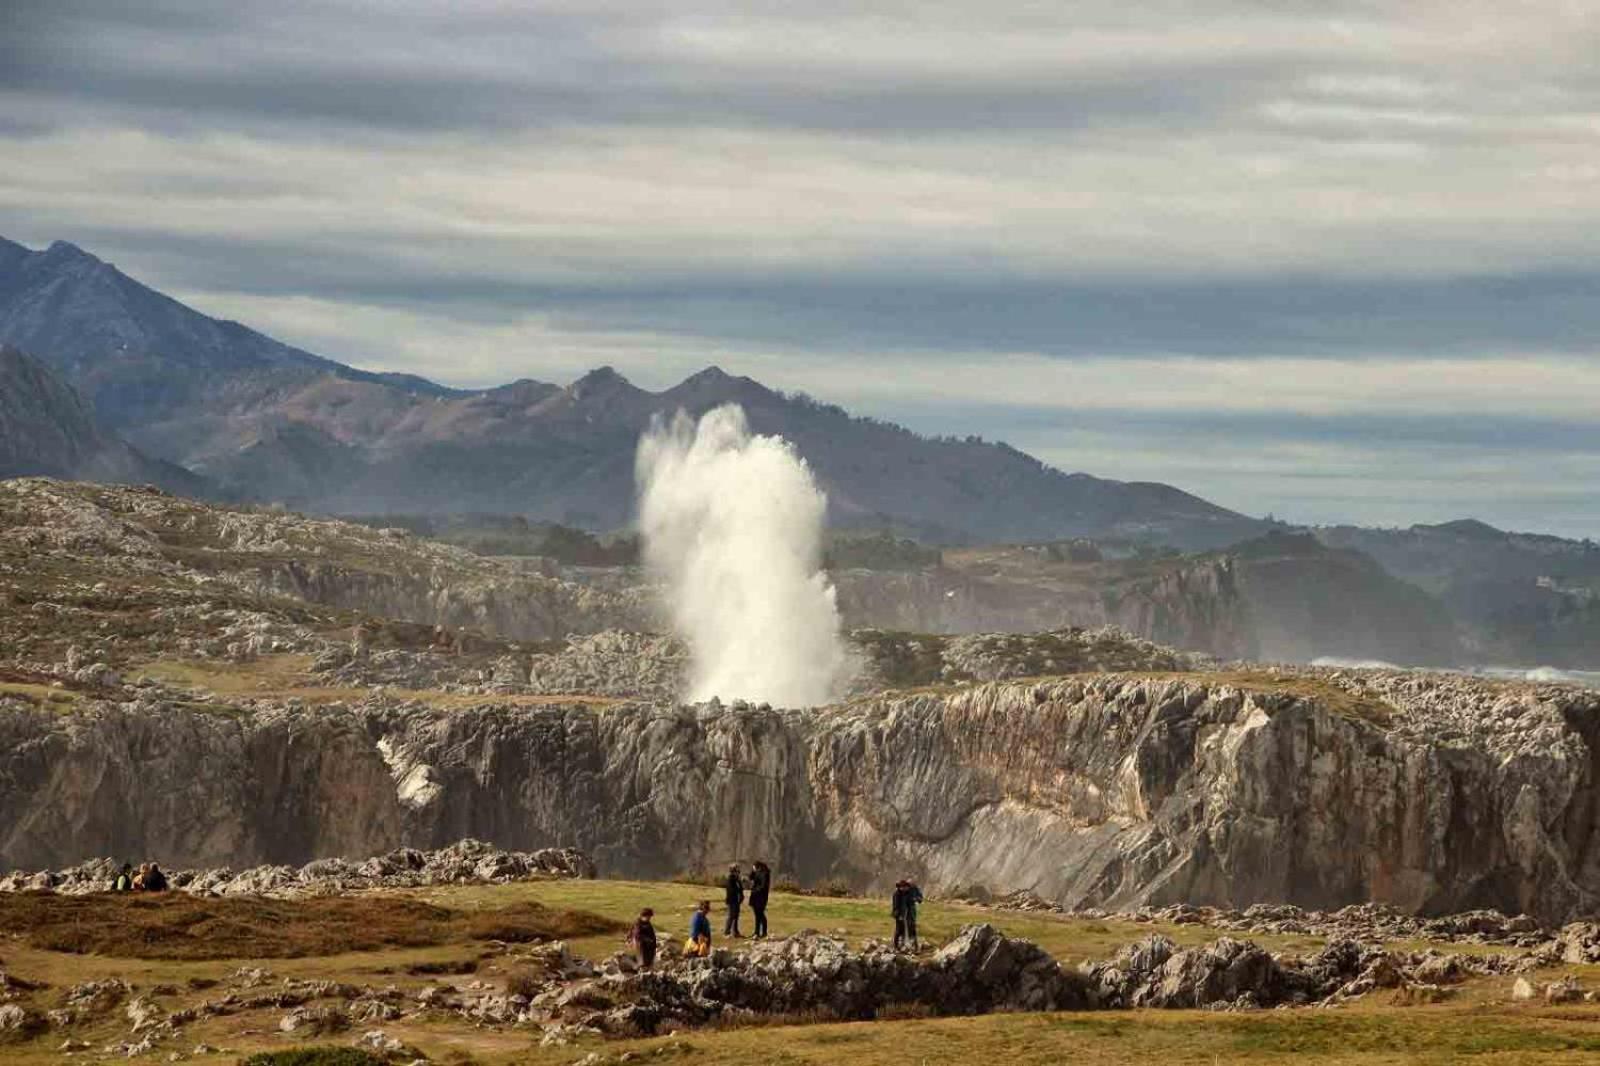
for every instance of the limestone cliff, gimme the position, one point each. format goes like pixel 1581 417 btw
pixel 1432 793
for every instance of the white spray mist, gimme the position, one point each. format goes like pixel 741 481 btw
pixel 732 527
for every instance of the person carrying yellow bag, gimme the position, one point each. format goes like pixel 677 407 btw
pixel 698 945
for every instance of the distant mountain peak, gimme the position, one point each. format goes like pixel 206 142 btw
pixel 66 250
pixel 603 381
pixel 1467 527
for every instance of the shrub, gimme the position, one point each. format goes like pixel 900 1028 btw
pixel 315 1056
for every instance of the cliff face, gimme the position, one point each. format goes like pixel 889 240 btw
pixel 1434 794
pixel 1280 598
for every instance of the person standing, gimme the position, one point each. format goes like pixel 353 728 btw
pixel 760 889
pixel 903 906
pixel 643 938
pixel 699 945
pixel 733 896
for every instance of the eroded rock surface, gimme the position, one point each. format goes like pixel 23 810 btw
pixel 1434 794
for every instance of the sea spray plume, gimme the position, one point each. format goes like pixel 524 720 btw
pixel 732 527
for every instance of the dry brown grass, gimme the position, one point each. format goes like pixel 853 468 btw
pixel 175 925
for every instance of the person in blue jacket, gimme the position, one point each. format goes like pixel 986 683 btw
pixel 700 931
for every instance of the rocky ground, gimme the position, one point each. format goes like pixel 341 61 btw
pixel 561 1001
pixel 465 862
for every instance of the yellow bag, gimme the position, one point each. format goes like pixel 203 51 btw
pixel 697 946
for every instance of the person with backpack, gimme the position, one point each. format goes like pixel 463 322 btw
pixel 643 938
pixel 903 906
pixel 733 896
pixel 698 945
pixel 760 889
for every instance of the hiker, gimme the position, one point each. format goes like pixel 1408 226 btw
pixel 140 877
pixel 903 906
pixel 760 888
pixel 154 879
pixel 699 943
pixel 643 938
pixel 124 881
pixel 733 897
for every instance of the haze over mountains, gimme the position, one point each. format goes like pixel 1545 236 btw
pixel 264 421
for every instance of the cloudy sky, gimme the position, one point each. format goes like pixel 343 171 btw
pixel 1328 259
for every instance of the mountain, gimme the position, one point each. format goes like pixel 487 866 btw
pixel 1281 597
pixel 1525 597
pixel 47 429
pixel 266 421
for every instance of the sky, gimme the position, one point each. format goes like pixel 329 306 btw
pixel 1332 260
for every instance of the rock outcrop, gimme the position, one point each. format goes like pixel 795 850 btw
pixel 1434 794
pixel 465 862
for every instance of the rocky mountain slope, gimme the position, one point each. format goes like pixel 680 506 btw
pixel 1525 597
pixel 1282 597
pixel 47 429
pixel 269 422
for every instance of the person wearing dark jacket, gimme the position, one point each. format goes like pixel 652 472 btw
pixel 760 889
pixel 155 880
pixel 734 898
pixel 643 938
pixel 903 906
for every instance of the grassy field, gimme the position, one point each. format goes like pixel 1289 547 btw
pixel 453 935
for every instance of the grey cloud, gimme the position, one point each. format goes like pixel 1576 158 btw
pixel 949 308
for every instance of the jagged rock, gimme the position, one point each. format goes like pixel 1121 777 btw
pixel 1566 990
pixel 20 1022
pixel 464 862
pixel 316 1019
pixel 1522 988
pixel 144 1014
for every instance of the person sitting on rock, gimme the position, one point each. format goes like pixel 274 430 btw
pixel 760 889
pixel 139 878
pixel 903 906
pixel 699 945
pixel 154 879
pixel 734 898
pixel 124 881
pixel 643 938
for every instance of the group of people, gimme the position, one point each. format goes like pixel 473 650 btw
pixel 642 937
pixel 148 878
pixel 733 897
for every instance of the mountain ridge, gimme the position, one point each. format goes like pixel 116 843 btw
pixel 266 421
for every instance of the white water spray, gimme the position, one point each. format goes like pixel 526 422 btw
pixel 732 526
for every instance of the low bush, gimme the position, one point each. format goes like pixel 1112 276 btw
pixel 315 1056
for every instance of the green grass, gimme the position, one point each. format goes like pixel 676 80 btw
pixel 856 919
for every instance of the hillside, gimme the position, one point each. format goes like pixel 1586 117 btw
pixel 269 422
pixel 1280 597
pixel 1526 598
pixel 47 429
